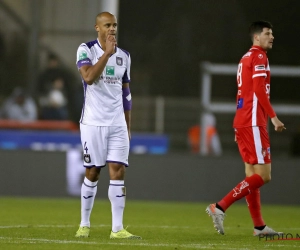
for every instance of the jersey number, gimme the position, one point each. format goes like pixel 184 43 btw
pixel 239 75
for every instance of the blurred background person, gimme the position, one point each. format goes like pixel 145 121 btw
pixel 52 71
pixel 56 92
pixel 54 104
pixel 213 142
pixel 19 106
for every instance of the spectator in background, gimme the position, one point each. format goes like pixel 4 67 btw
pixel 49 95
pixel 54 104
pixel 19 106
pixel 52 71
pixel 212 138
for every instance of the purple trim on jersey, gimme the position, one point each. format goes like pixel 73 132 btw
pixel 86 61
pixel 99 45
pixel 84 93
pixel 94 166
pixel 125 78
pixel 125 51
pixel 91 43
pixel 126 104
pixel 126 165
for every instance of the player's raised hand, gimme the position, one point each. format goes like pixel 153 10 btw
pixel 278 125
pixel 111 43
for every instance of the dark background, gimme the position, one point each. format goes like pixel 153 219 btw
pixel 167 40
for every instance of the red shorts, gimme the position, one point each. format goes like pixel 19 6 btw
pixel 254 144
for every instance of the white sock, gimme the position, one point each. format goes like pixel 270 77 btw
pixel 88 193
pixel 117 196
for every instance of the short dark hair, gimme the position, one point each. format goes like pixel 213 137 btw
pixel 258 26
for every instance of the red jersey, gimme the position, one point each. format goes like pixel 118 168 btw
pixel 253 82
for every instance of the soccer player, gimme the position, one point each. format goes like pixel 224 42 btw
pixel 250 126
pixel 105 121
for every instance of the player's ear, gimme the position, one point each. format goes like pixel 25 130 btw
pixel 96 28
pixel 256 37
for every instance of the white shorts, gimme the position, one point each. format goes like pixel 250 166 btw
pixel 104 144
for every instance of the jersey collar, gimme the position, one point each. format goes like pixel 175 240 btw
pixel 99 44
pixel 258 47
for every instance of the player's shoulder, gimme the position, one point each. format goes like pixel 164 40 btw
pixel 258 54
pixel 123 51
pixel 89 45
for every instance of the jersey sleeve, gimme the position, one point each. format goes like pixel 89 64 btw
pixel 126 76
pixel 259 62
pixel 259 76
pixel 84 56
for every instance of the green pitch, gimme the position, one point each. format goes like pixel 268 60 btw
pixel 28 223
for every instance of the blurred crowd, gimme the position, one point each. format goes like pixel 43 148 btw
pixel 57 97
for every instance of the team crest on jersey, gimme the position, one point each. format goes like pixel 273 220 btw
pixel 260 56
pixel 87 158
pixel 119 61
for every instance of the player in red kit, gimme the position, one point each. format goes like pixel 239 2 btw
pixel 250 126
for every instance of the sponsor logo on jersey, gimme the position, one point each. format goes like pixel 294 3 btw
pixel 119 61
pixel 259 67
pixel 260 56
pixel 82 55
pixel 110 70
pixel 240 103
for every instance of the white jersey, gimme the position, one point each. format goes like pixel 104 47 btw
pixel 103 103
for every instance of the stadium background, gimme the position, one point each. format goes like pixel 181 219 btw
pixel 167 41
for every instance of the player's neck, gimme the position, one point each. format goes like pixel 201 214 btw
pixel 102 44
pixel 259 47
